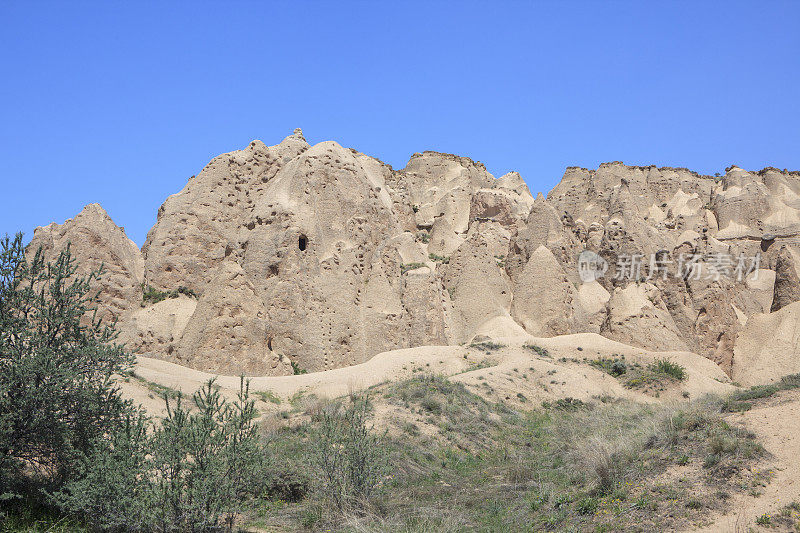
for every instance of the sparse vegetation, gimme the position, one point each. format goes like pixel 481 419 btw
pixel 573 467
pixel 406 267
pixel 615 366
pixel 268 396
pixel 297 370
pixel 156 389
pixel 655 377
pixel 743 400
pixel 349 457
pixel 668 368
pixel 538 350
pixel 153 296
pixel 438 258
pixel 459 461
pixel 487 346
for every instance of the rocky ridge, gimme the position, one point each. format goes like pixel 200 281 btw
pixel 320 257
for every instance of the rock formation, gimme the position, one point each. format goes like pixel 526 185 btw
pixel 317 257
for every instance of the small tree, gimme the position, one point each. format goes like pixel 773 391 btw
pixel 348 455
pixel 205 462
pixel 113 491
pixel 57 368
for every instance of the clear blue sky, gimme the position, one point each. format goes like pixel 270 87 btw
pixel 120 102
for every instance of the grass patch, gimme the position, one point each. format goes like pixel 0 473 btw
pixel 153 296
pixel 406 267
pixel 487 346
pixel 439 258
pixel 655 377
pixel 538 350
pixel 267 396
pixel 668 368
pixel 156 388
pixel 743 400
pixel 462 463
pixel 615 366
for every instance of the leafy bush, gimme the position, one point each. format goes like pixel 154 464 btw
pixel 205 462
pixel 668 368
pixel 297 370
pixel 616 367
pixel 57 368
pixel 192 473
pixel 349 458
pixel 288 486
pixel 111 489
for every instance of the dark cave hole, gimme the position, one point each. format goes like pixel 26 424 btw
pixel 302 242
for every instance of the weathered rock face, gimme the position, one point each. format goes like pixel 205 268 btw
pixel 96 241
pixel 321 257
pixel 787 284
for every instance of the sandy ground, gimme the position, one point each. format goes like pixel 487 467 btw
pixel 514 369
pixel 777 425
pixel 510 370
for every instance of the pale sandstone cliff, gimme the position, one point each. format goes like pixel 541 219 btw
pixel 323 257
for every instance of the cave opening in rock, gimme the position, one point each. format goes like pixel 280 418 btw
pixel 302 242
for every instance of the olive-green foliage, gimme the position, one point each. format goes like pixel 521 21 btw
pixel 668 368
pixel 742 400
pixel 57 362
pixel 405 267
pixel 193 472
pixel 297 369
pixel 204 461
pixel 487 346
pixel 348 457
pixel 656 374
pixel 439 258
pixel 538 350
pixel 615 366
pixel 153 295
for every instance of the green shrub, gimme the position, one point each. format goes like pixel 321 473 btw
pixel 487 346
pixel 268 396
pixel 537 349
pixel 587 506
pixel 668 368
pixel 193 472
pixel 58 365
pixel 791 381
pixel 288 486
pixel 348 457
pixel 569 404
pixel 755 393
pixel 616 367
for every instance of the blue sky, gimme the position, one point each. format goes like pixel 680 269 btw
pixel 119 103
